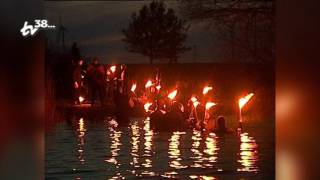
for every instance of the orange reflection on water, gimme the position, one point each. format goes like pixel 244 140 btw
pixel 174 151
pixel 198 156
pixel 172 174
pixel 81 133
pixel 114 146
pixel 205 149
pixel 202 177
pixel 143 160
pixel 135 145
pixel 211 149
pixel 117 176
pixel 248 155
pixel 148 134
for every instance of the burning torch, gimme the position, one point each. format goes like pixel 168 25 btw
pixel 113 68
pixel 172 95
pixel 81 99
pixel 147 106
pixel 148 84
pixel 193 112
pixel 209 105
pixel 243 101
pixel 206 89
pixel 133 87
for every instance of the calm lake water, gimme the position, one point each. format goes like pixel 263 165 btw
pixel 85 149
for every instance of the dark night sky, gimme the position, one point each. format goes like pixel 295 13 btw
pixel 97 25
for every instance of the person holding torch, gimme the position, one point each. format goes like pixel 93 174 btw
pixel 77 79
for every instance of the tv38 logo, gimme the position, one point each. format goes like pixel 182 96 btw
pixel 29 29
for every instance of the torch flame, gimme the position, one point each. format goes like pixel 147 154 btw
pixel 206 89
pixel 209 105
pixel 113 68
pixel 244 100
pixel 148 84
pixel 173 94
pixel 163 112
pixel 158 87
pixel 81 99
pixel 133 88
pixel 193 99
pixel 195 104
pixel 147 106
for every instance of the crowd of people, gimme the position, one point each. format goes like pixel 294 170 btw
pixel 96 83
pixel 169 112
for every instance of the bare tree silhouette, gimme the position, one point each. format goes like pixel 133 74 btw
pixel 156 32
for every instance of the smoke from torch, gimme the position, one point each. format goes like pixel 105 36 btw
pixel 206 89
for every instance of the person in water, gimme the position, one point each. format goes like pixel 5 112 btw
pixel 221 126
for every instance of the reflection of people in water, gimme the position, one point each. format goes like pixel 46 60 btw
pixel 221 126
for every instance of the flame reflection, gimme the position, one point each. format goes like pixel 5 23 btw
pixel 197 155
pixel 135 144
pixel 141 151
pixel 204 157
pixel 148 143
pixel 248 155
pixel 143 161
pixel 211 149
pixel 114 146
pixel 174 151
pixel 81 134
pixel 202 177
pixel 169 175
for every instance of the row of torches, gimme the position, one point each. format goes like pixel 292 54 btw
pixel 195 102
pixel 171 96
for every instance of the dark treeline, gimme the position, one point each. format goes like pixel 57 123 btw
pixel 246 27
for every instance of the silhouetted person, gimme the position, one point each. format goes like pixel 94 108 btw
pixel 77 78
pixel 101 83
pixel 221 126
pixel 93 86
